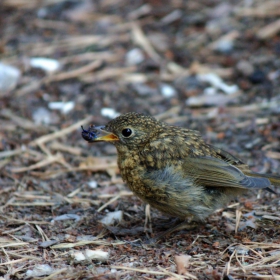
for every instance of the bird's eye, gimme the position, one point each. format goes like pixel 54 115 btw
pixel 126 132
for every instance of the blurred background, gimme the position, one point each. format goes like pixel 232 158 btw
pixel 208 65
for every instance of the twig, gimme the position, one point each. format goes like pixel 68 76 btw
pixel 108 203
pixel 238 217
pixel 50 159
pixel 61 133
pixel 141 40
pixel 269 30
pixel 139 270
pixel 74 73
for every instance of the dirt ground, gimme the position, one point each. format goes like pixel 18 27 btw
pixel 212 66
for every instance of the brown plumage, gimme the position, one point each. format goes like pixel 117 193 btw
pixel 173 169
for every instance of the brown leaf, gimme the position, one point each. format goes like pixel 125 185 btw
pixel 182 262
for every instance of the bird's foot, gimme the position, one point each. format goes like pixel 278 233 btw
pixel 179 226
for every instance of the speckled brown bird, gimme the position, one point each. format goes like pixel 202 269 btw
pixel 173 168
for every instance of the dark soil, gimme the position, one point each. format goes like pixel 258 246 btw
pixel 151 57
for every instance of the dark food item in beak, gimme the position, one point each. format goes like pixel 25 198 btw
pixel 90 134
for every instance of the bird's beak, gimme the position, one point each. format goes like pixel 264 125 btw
pixel 98 134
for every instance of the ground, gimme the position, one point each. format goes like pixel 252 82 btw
pixel 212 66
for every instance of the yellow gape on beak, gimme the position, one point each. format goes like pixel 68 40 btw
pixel 93 132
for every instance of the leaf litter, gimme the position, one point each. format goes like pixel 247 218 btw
pixel 119 56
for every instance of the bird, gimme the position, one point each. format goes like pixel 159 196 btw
pixel 173 169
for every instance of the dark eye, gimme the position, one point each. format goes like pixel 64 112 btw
pixel 126 132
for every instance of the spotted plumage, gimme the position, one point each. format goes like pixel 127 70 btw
pixel 174 169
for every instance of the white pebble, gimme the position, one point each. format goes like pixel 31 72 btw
pixel 245 67
pixel 218 99
pixel 78 256
pixel 167 90
pixel 134 57
pixel 211 78
pixel 64 107
pixel 39 270
pixel 92 184
pixel 47 64
pixel 274 75
pixel 109 113
pixel 98 255
pixel 112 217
pixel 224 46
pixel 217 82
pixel 9 77
pixel 210 91
pixel 42 12
pixel 41 116
pixel 229 89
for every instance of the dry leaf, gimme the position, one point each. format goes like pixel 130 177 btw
pixel 182 263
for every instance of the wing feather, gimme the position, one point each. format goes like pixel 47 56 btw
pixel 213 172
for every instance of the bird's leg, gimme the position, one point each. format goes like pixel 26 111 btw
pixel 148 219
pixel 178 225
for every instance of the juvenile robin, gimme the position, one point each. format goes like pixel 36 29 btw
pixel 174 169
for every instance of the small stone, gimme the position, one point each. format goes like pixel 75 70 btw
pixel 64 107
pixel 41 116
pixel 46 64
pixel 245 67
pixel 167 90
pixel 39 270
pixel 92 184
pixel 78 256
pixel 134 57
pixel 224 46
pixel 112 217
pixel 109 113
pixel 9 77
pixel 98 255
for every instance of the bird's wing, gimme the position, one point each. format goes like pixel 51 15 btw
pixel 227 157
pixel 212 172
pixel 230 159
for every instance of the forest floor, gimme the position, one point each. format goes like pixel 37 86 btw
pixel 212 66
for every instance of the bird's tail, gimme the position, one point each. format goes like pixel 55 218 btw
pixel 274 180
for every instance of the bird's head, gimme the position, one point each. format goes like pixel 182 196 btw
pixel 129 130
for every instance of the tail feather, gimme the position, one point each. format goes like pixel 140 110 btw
pixel 255 183
pixel 274 180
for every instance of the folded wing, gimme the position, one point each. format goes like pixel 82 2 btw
pixel 212 172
